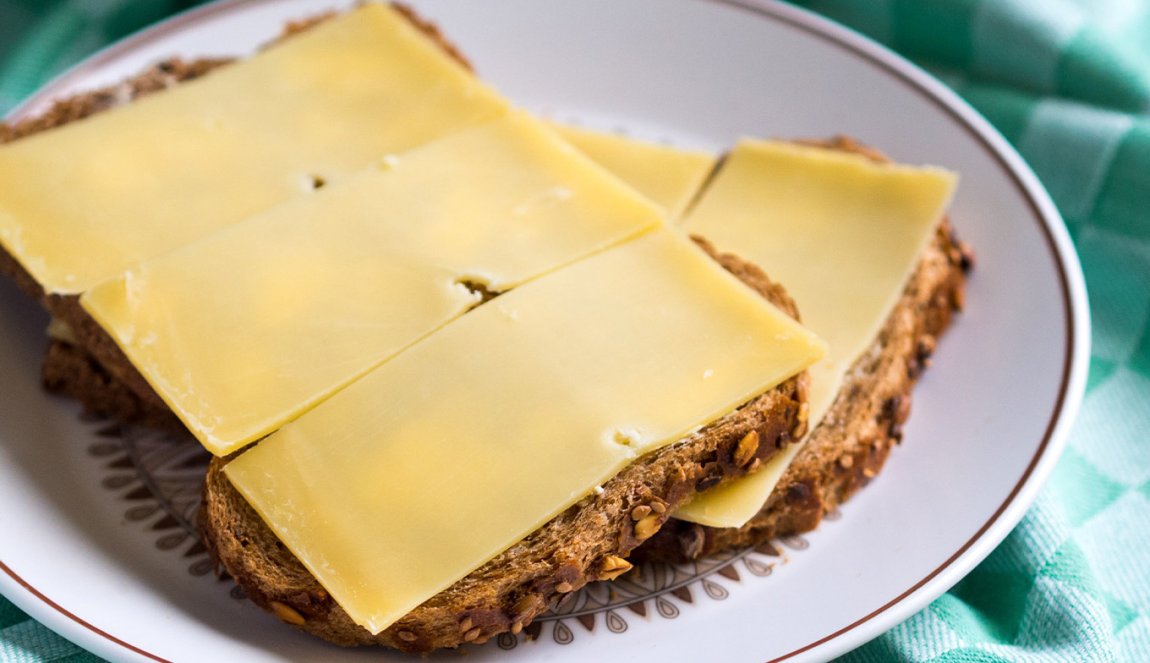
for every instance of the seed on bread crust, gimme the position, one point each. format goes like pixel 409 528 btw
pixel 958 298
pixel 713 475
pixel 613 567
pixel 407 636
pixel 646 527
pixel 640 512
pixel 800 428
pixel 747 447
pixel 287 613
pixel 564 587
pixel 526 607
pixel 924 349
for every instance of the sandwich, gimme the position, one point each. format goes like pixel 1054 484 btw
pixel 97 355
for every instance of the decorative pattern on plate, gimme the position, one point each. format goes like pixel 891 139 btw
pixel 159 475
pixel 654 589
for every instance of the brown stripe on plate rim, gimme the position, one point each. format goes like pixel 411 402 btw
pixel 79 620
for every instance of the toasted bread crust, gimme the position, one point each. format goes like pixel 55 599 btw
pixel 69 370
pixel 580 545
pixel 848 449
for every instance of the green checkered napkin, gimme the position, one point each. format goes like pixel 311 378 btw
pixel 1068 83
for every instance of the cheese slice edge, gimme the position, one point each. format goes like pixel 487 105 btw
pixel 669 176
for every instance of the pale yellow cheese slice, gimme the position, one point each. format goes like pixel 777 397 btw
pixel 843 235
pixel 247 328
pixel 84 202
pixel 667 175
pixel 460 446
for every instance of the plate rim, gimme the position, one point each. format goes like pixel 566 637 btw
pixel 1074 305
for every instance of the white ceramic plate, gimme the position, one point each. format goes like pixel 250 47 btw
pixel 94 533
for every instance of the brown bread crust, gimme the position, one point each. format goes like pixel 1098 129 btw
pixel 848 449
pixel 70 371
pixel 587 542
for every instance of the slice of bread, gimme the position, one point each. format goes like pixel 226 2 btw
pixel 852 443
pixel 588 542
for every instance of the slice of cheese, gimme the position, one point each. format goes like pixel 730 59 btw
pixel 247 328
pixel 667 175
pixel 843 235
pixel 469 440
pixel 90 199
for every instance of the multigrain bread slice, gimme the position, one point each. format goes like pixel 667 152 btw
pixel 67 369
pixel 589 541
pixel 864 423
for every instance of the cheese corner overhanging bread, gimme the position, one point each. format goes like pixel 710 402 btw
pixel 593 539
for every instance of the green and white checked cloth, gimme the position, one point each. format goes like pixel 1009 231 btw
pixel 1068 83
